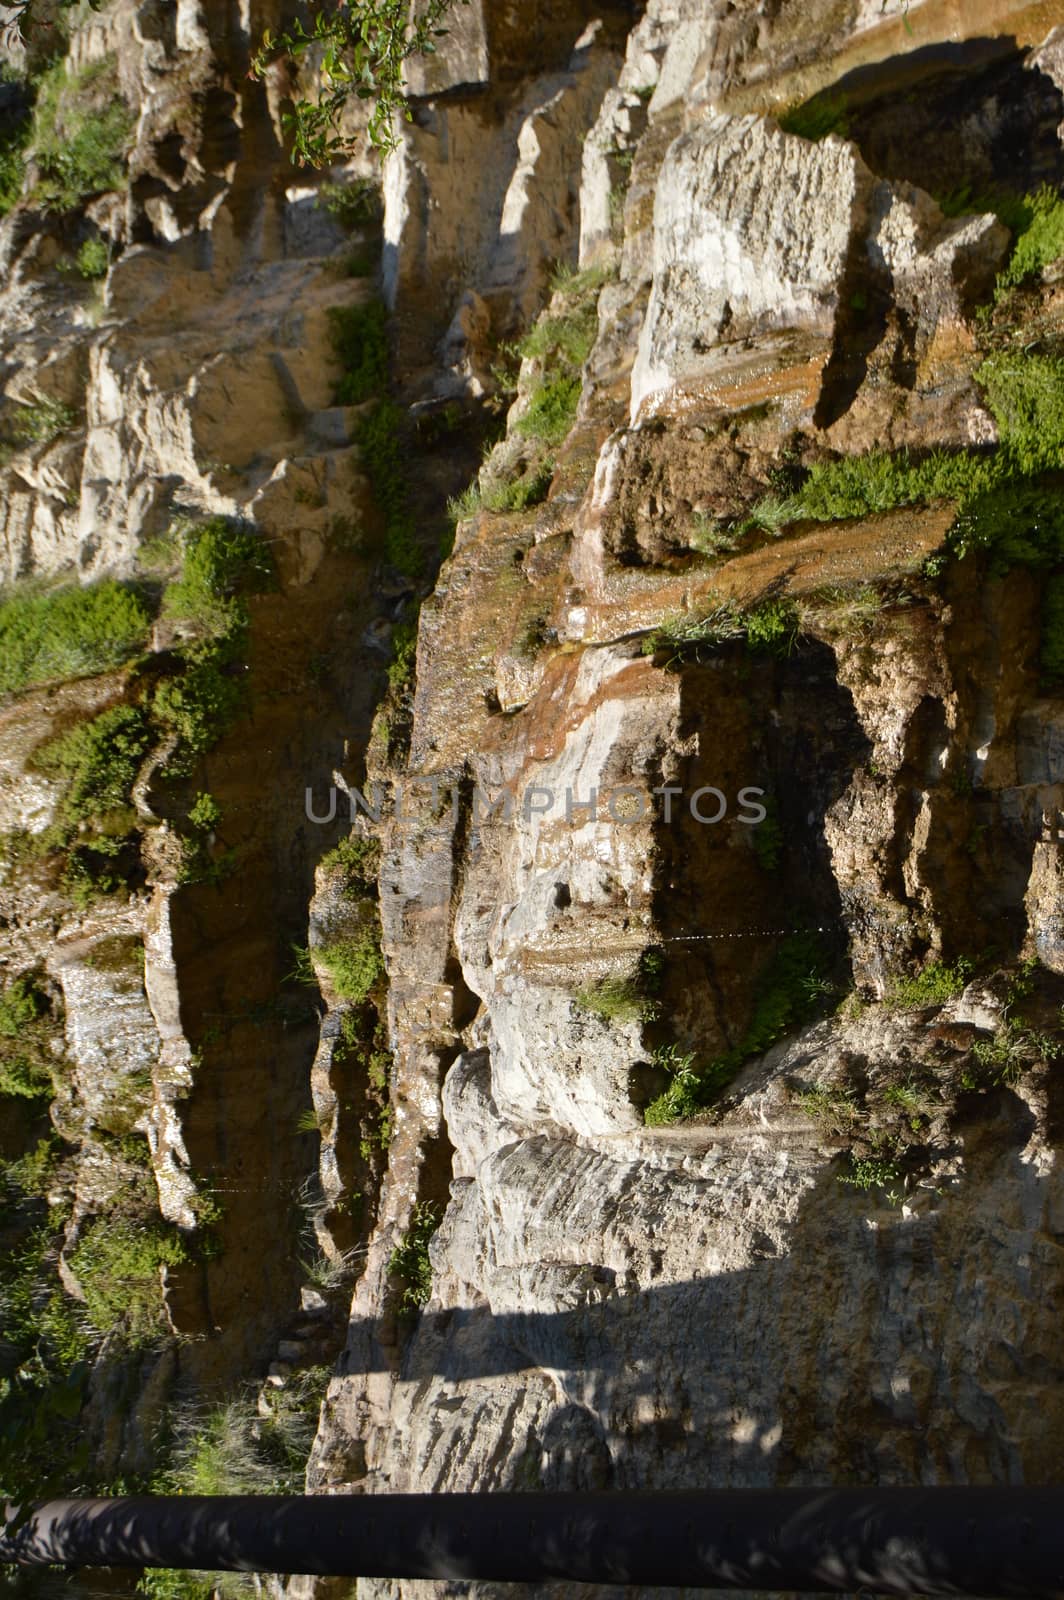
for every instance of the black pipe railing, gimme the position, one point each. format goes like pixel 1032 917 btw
pixel 974 1541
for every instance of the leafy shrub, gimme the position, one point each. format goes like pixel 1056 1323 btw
pixel 198 707
pixel 79 138
pixel 362 52
pixel 355 964
pixel 69 633
pixel 43 421
pixel 34 1171
pixel 410 1258
pixel 94 258
pixel 360 344
pixel 222 562
pixel 13 141
pixel 1019 523
pixel 772 627
pixel 936 984
pixel 22 1078
pixel 36 1314
pixel 100 761
pixel 205 813
pixel 1026 396
pixel 117 1262
pixel 21 1004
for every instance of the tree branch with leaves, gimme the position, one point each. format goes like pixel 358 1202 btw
pixel 364 47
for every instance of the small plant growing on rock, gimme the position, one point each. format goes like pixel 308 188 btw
pixel 359 859
pixel 1038 224
pixel 1013 1051
pixel 771 627
pixel 790 991
pixel 117 1262
pixel 710 537
pixel 410 1258
pixel 355 964
pixel 630 998
pixel 93 259
pixel 870 1172
pixel 937 983
pixel 222 562
pixel 829 1104
pixel 43 421
pixel 81 135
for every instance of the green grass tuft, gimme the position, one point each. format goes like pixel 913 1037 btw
pixel 69 633
pixel 936 984
pixel 769 628
pixel 80 136
pixel 528 490
pixel 551 409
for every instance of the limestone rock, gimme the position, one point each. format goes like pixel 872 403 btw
pixel 752 232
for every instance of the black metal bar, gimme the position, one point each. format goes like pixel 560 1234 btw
pixel 983 1541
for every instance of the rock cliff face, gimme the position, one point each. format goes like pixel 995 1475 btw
pixel 617 1299
pixel 686 1079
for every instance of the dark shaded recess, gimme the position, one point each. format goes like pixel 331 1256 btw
pixel 957 115
pixel 523 40
pixel 865 302
pixel 784 725
pixel 220 144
